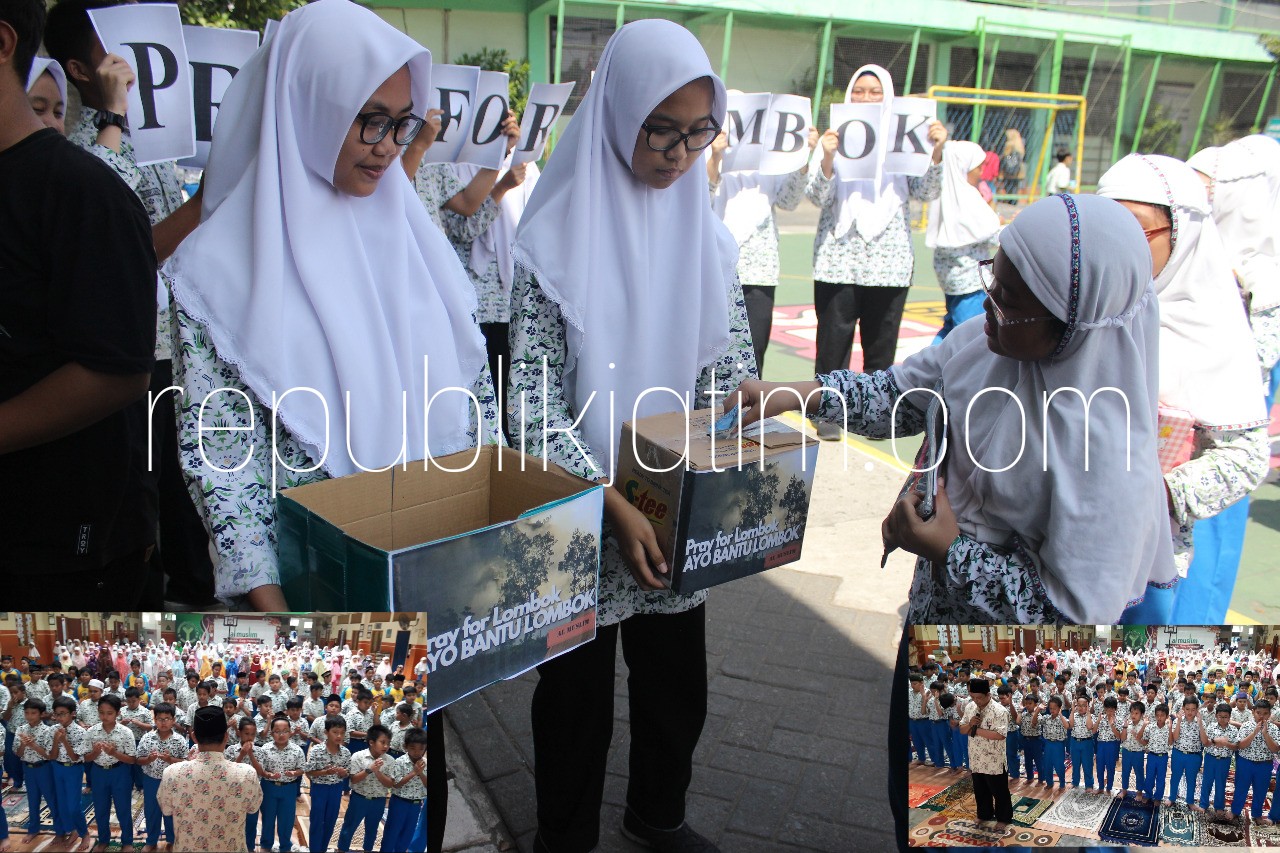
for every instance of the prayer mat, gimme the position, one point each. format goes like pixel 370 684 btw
pixel 1130 822
pixel 1027 810
pixel 919 793
pixel 16 811
pixel 950 797
pixel 942 831
pixel 1225 834
pixel 1180 826
pixel 1264 836
pixel 1078 809
pixel 1030 837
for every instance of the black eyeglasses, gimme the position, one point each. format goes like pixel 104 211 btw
pixel 664 138
pixel 374 127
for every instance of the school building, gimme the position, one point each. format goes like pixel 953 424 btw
pixel 1158 76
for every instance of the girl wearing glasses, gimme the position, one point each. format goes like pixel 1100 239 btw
pixel 1030 527
pixel 862 259
pixel 625 282
pixel 316 267
pixel 1209 370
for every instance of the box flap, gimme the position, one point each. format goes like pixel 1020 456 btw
pixel 443 478
pixel 515 492
pixel 705 452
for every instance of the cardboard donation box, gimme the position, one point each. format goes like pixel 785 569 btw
pixel 731 507
pixel 505 563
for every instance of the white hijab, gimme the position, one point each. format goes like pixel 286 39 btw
pixel 496 242
pixel 1208 365
pixel 870 204
pixel 40 65
pixel 961 217
pixel 1245 196
pixel 301 285
pixel 1098 536
pixel 641 275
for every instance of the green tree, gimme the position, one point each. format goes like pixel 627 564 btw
pixel 757 495
pixel 529 558
pixel 795 502
pixel 517 71
pixel 581 562
pixel 236 14
pixel 1161 134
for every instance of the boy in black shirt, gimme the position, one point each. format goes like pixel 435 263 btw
pixel 77 335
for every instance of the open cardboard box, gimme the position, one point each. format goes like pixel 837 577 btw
pixel 723 508
pixel 489 545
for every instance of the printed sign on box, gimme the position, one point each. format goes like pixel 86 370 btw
pixel 505 562
pixel 730 507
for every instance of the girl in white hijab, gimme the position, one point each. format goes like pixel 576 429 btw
pixel 624 281
pixel 1208 369
pixel 747 200
pixel 309 270
pixel 47 91
pixel 484 243
pixel 862 258
pixel 962 232
pixel 1031 527
pixel 1244 191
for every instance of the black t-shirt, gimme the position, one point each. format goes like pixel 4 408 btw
pixel 77 284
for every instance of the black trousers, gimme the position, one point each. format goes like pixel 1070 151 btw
pixel 759 299
pixel 841 308
pixel 499 347
pixel 437 783
pixel 991 791
pixel 183 548
pixel 666 661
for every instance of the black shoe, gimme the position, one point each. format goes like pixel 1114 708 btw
pixel 682 839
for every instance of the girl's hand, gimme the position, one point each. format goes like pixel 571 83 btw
pixel 814 136
pixel 637 541
pixel 511 128
pixel 719 145
pixel 760 399
pixel 430 130
pixel 903 528
pixel 938 136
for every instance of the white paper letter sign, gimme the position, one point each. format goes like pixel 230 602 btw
pixel 216 56
pixel 546 103
pixel 149 37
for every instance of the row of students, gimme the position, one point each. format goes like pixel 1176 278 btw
pixel 1146 740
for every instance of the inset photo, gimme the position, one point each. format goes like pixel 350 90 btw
pixel 1080 735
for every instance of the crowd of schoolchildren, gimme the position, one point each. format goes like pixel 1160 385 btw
pixel 1174 735
pixel 94 730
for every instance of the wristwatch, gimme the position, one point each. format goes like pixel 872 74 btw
pixel 106 118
